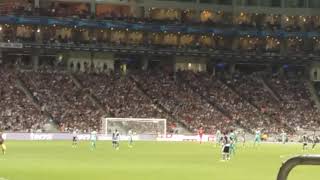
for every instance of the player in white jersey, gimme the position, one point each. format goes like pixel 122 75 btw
pixel 75 138
pixel 218 138
pixel 130 138
pixel 243 135
pixel 2 145
pixel 93 139
pixel 283 137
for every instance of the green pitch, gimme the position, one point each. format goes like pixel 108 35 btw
pixel 146 161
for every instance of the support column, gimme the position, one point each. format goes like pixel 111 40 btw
pixel 179 40
pixel 269 69
pixel 13 38
pixel 198 10
pixel 174 68
pixel 307 44
pixel 133 8
pixel 145 63
pixel 93 8
pixel 241 3
pixel 283 3
pixel 283 47
pixel 234 7
pixel 213 70
pixel 281 71
pixel 1 34
pixel 35 61
pixel 232 69
pixel 235 44
pixel 82 69
pixel 38 35
pixel 259 3
pixel 234 3
pixel 75 66
pixel 1 61
pixel 147 12
pixel 36 4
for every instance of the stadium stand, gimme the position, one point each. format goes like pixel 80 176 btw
pixel 190 98
pixel 78 95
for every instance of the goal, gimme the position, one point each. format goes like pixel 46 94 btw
pixel 140 126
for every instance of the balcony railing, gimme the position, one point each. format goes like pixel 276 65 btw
pixel 295 161
pixel 225 55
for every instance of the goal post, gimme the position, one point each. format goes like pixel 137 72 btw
pixel 140 126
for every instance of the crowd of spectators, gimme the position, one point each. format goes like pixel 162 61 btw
pixel 17 7
pixel 220 94
pixel 17 112
pixel 187 98
pixel 119 95
pixel 69 106
pixel 179 99
pixel 288 108
pixel 296 107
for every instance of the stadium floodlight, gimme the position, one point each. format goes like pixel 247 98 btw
pixel 140 126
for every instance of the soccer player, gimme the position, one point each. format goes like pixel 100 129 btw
pixel 315 141
pixel 75 138
pixel 116 140
pixel 233 140
pixel 304 142
pixel 201 132
pixel 93 139
pixel 225 148
pixel 130 139
pixel 283 137
pixel 243 134
pixel 218 138
pixel 257 138
pixel 2 145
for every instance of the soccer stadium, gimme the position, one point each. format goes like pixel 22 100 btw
pixel 159 89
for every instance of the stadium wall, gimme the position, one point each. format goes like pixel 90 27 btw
pixel 101 137
pixel 141 137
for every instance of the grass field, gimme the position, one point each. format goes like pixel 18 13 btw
pixel 57 160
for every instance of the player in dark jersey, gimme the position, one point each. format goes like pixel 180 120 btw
pixel 225 148
pixel 75 138
pixel 2 145
pixel 315 141
pixel 116 139
pixel 304 142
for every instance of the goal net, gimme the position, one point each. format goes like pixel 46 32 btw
pixel 140 126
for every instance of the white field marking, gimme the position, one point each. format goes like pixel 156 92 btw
pixel 288 156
